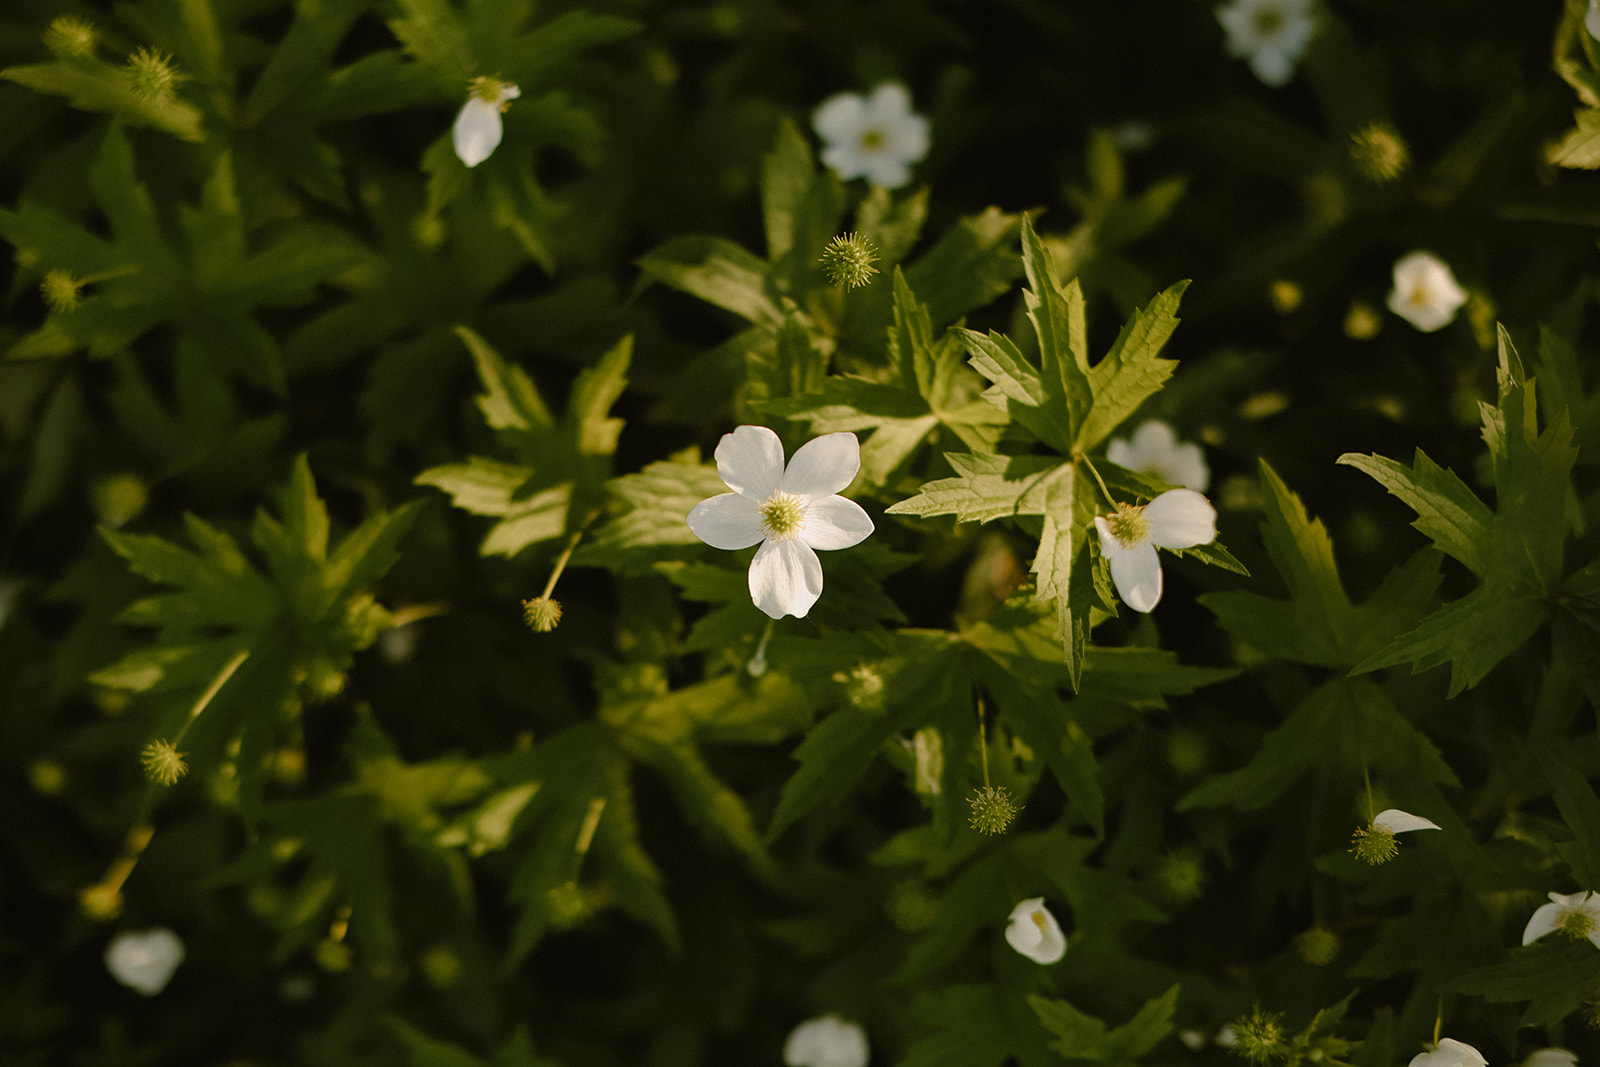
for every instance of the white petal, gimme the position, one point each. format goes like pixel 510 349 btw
pixel 477 131
pixel 828 1041
pixel 727 521
pixel 1426 293
pixel 1273 66
pixel 1591 21
pixel 834 522
pixel 750 461
pixel 785 578
pixel 1181 518
pixel 1034 932
pixel 1135 571
pixel 1399 822
pixel 839 117
pixel 144 961
pixel 823 466
pixel 1543 921
pixel 885 171
pixel 889 102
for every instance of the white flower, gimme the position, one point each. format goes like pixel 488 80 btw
pixel 1551 1057
pixel 1155 450
pixel 477 130
pixel 1034 932
pixel 1577 915
pixel 826 1041
pixel 1376 844
pixel 1425 293
pixel 1272 33
pixel 1450 1053
pixel 144 961
pixel 877 137
pixel 789 512
pixel 1591 21
pixel 1129 537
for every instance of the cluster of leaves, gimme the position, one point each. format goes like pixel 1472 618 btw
pixel 664 833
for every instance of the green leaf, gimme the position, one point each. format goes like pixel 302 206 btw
pixel 654 505
pixel 1083 1037
pixel 1472 634
pixel 1558 977
pixel 988 487
pixel 1580 147
pixel 95 86
pixel 718 272
pixel 1580 809
pixel 1131 372
pixel 1448 513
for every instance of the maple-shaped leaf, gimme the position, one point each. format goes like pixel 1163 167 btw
pixel 1516 548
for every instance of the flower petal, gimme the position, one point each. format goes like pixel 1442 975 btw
pixel 1034 932
pixel 785 578
pixel 834 522
pixel 750 461
pixel 477 131
pixel 1136 571
pixel 823 466
pixel 727 521
pixel 838 118
pixel 1543 921
pixel 828 1041
pixel 1398 822
pixel 1181 518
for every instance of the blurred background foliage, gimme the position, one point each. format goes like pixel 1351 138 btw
pixel 296 410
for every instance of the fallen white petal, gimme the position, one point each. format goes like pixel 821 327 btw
pixel 785 578
pixel 750 461
pixel 727 521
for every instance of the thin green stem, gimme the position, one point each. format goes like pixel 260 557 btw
pixel 983 743
pixel 1104 492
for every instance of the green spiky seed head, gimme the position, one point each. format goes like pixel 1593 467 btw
pixel 1379 152
pixel 1374 845
pixel 848 260
pixel 1318 946
pixel 61 291
pixel 70 37
pixel 542 613
pixel 993 809
pixel 163 762
pixel 151 74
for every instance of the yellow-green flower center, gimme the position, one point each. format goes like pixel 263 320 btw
pixel 1374 845
pixel 783 516
pixel 1575 923
pixel 874 140
pixel 1128 525
pixel 1267 21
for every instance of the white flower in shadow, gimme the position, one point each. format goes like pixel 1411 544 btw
pixel 826 1041
pixel 1577 915
pixel 1034 932
pixel 144 961
pixel 789 512
pixel 877 137
pixel 1155 450
pixel 478 129
pixel 1271 34
pixel 1425 294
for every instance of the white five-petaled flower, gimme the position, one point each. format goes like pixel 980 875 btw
pixel 789 512
pixel 826 1041
pixel 1576 915
pixel 478 129
pixel 1129 537
pixel 1271 33
pixel 1450 1053
pixel 1155 450
pixel 877 137
pixel 1425 294
pixel 1034 932
pixel 144 961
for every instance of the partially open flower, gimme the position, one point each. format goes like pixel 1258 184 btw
pixel 478 128
pixel 877 137
pixel 1271 34
pixel 826 1041
pixel 1425 294
pixel 1450 1053
pixel 1034 932
pixel 144 961
pixel 1577 915
pixel 1155 450
pixel 1129 537
pixel 1376 843
pixel 789 512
